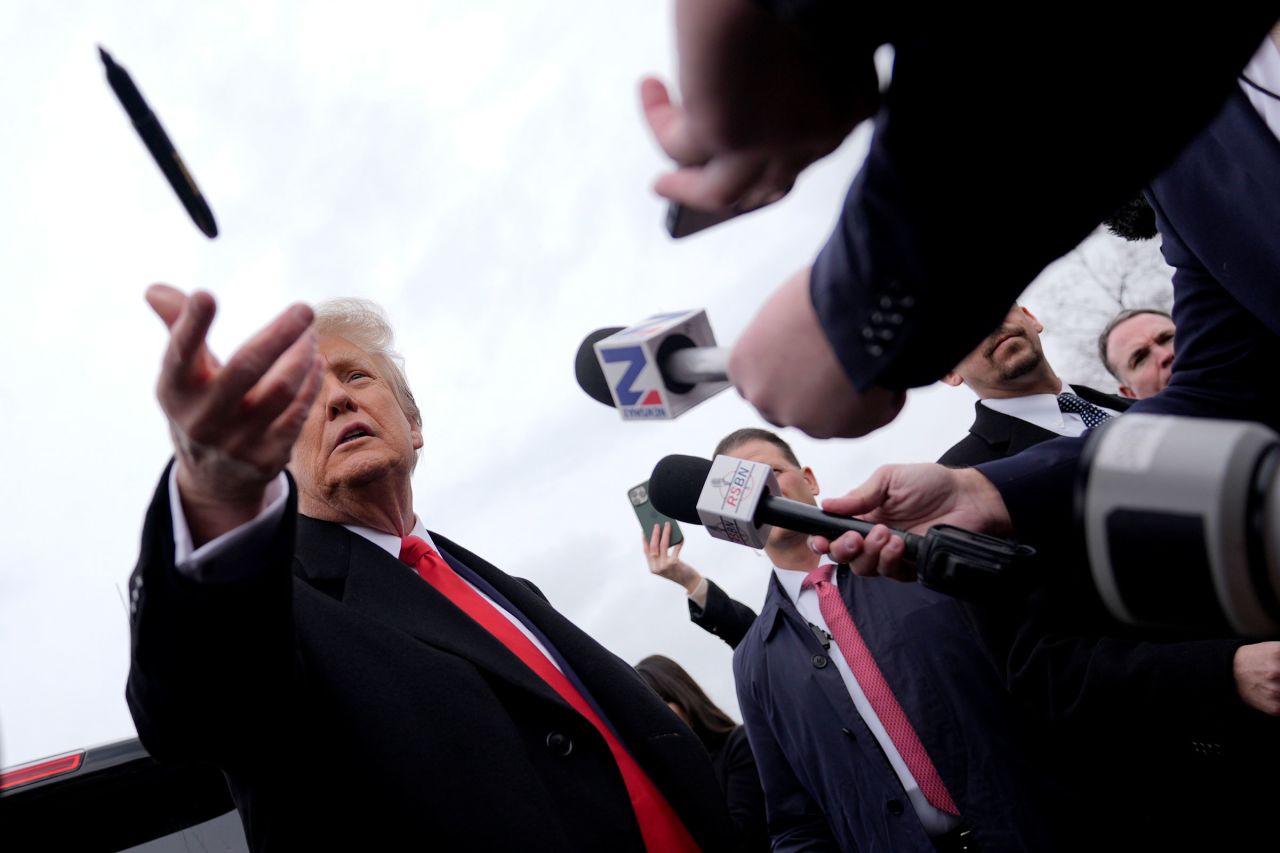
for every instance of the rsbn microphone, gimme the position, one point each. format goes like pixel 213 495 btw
pixel 656 370
pixel 738 501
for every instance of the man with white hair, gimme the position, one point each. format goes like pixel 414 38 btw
pixel 365 684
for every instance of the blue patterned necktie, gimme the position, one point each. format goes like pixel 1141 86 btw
pixel 1088 412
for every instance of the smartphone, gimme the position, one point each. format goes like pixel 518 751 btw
pixel 683 221
pixel 639 497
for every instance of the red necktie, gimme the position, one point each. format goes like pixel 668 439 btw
pixel 659 825
pixel 871 680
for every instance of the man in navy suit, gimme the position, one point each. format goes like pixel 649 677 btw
pixel 365 684
pixel 836 773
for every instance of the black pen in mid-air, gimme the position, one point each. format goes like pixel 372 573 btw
pixel 157 142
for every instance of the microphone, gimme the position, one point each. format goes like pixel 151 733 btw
pixel 656 370
pixel 737 500
pixel 734 499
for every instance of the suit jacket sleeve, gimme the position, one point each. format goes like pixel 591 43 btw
pixel 210 661
pixel 885 287
pixel 796 821
pixel 723 616
pixel 1061 664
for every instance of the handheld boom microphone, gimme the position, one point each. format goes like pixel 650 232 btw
pixel 737 500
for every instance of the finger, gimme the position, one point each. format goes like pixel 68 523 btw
pixel 719 185
pixel 284 430
pixel 893 562
pixel 652 547
pixel 252 361
pixel 867 563
pixel 675 550
pixel 282 383
pixel 166 301
pixel 819 544
pixel 665 542
pixel 667 123
pixel 187 355
pixel 847 547
pixel 865 498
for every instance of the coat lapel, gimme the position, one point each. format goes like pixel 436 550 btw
pixel 1004 433
pixel 372 582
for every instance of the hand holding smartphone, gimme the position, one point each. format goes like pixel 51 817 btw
pixel 648 516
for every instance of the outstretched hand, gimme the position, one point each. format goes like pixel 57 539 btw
pixel 233 425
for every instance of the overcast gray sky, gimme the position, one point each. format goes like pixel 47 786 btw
pixel 483 172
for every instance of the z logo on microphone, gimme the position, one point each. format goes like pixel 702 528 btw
pixel 628 395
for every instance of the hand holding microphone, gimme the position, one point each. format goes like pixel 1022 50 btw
pixel 914 498
pixel 737 501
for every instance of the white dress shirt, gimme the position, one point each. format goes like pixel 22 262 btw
pixel 1042 410
pixel 1264 70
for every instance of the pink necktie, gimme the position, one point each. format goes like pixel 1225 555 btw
pixel 871 680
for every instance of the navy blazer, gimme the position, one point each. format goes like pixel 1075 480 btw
pixel 828 785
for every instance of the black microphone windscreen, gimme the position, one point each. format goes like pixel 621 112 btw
pixel 587 367
pixel 675 485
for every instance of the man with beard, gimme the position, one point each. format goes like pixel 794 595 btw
pixel 1021 401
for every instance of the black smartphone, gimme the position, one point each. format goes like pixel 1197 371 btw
pixel 683 221
pixel 639 497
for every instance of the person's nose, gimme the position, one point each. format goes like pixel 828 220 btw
pixel 336 399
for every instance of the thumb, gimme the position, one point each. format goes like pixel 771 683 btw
pixel 167 302
pixel 865 498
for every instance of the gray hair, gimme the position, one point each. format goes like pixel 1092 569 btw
pixel 364 324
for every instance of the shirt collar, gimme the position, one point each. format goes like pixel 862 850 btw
pixel 1039 409
pixel 389 542
pixel 792 580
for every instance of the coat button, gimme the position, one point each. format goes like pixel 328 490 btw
pixel 894 807
pixel 559 745
pixel 819 661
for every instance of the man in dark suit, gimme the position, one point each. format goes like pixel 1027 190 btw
pixel 840 769
pixel 363 683
pixel 1021 400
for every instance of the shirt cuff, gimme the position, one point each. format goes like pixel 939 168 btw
pixel 699 594
pixel 209 562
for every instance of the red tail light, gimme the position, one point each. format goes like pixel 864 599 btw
pixel 40 770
